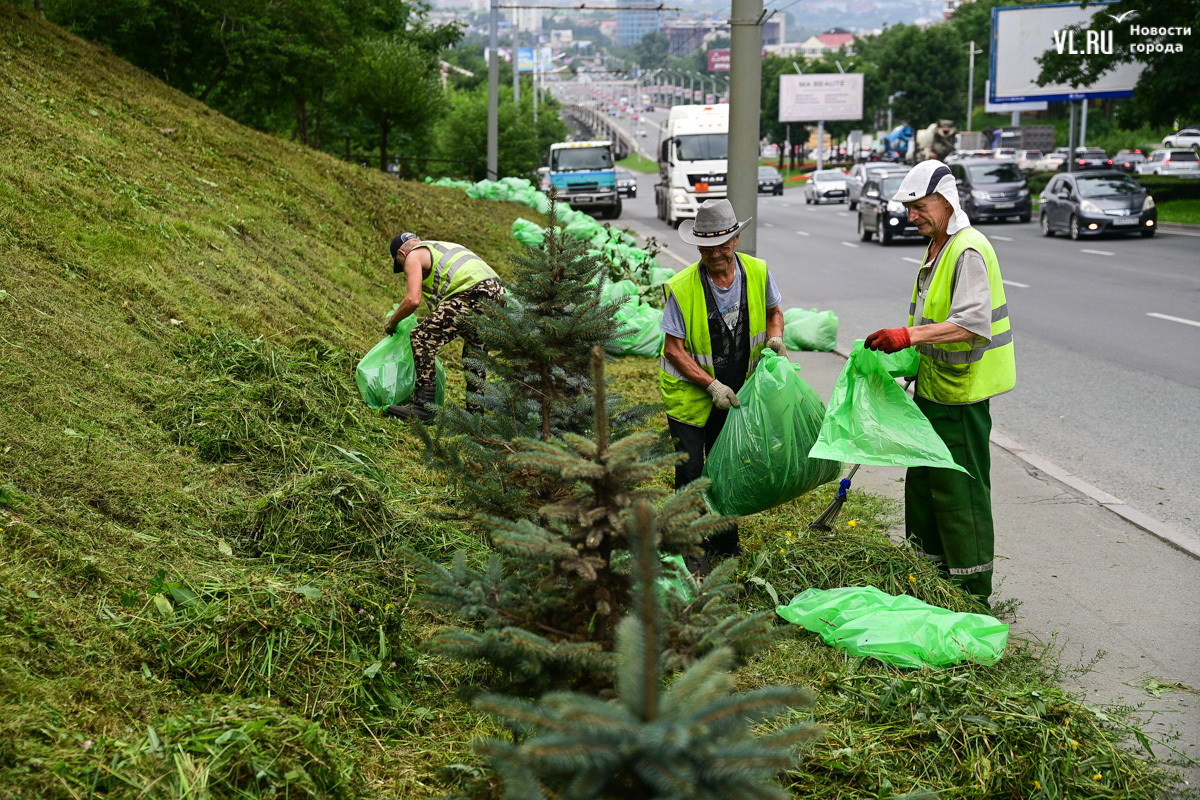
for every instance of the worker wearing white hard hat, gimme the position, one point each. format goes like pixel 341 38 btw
pixel 958 322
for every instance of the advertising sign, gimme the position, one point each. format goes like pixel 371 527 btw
pixel 1022 34
pixel 1001 108
pixel 709 99
pixel 718 60
pixel 812 98
pixel 697 94
pixel 525 59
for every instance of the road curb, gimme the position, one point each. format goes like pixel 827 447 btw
pixel 1184 542
pixel 1179 227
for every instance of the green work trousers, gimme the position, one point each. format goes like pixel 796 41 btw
pixel 948 515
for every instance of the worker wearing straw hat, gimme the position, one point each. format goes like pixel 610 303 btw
pixel 958 322
pixel 720 313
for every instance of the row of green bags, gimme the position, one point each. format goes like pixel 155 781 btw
pixel 642 321
pixel 387 374
pixel 896 629
pixel 810 330
pixel 872 420
pixel 761 457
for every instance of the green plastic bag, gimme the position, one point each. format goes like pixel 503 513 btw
pixel 528 233
pixel 660 275
pixel 761 460
pixel 896 629
pixel 810 330
pixel 387 375
pixel 901 364
pixel 645 337
pixel 872 420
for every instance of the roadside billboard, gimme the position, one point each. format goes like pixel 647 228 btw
pixel 812 98
pixel 1022 34
pixel 718 60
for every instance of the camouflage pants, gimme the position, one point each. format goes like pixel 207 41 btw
pixel 448 321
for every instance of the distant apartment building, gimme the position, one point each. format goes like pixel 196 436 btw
pixel 527 19
pixel 633 25
pixel 561 38
pixel 688 35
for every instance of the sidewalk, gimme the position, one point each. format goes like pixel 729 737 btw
pixel 1088 580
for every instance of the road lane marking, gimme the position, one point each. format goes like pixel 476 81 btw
pixel 1098 252
pixel 1002 238
pixel 911 260
pixel 803 233
pixel 843 213
pixel 1169 318
pixel 849 244
pixel 1014 283
pixel 786 205
pixel 768 225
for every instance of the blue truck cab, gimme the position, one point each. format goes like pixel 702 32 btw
pixel 583 175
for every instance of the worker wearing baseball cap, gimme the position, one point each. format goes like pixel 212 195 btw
pixel 958 322
pixel 456 283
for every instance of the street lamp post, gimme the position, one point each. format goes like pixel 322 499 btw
pixel 971 82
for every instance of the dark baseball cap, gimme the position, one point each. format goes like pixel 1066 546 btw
pixel 397 242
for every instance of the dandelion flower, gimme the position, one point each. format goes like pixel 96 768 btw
pixel 852 523
pixel 1097 776
pixel 911 579
pixel 1037 785
pixel 1074 745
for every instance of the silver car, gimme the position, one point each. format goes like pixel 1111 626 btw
pixel 826 185
pixel 1183 163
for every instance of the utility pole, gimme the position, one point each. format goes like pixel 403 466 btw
pixel 971 83
pixel 493 113
pixel 745 88
pixel 516 65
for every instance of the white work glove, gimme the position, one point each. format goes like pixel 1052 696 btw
pixel 723 397
pixel 776 344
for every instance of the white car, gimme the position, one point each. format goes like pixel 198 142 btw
pixel 1188 137
pixel 828 184
pixel 1184 163
pixel 1050 162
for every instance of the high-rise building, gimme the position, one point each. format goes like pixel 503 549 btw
pixel 633 25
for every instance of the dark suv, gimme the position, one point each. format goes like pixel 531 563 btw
pixel 991 189
pixel 880 215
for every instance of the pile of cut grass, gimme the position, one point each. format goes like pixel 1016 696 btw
pixel 199 587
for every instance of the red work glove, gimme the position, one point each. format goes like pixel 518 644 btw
pixel 889 340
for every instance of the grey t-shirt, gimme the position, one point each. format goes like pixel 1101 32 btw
pixel 970 298
pixel 729 301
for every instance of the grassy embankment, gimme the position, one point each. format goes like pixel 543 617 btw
pixel 199 589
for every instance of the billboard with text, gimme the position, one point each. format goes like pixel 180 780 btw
pixel 812 98
pixel 718 60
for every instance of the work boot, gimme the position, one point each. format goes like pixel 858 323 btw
pixel 422 405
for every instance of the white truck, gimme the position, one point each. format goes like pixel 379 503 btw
pixel 693 160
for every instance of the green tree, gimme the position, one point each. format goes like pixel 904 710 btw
pixel 651 52
pixel 394 85
pixel 927 65
pixel 689 739
pixel 461 133
pixel 1165 93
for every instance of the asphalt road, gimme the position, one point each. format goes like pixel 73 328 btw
pixel 1107 333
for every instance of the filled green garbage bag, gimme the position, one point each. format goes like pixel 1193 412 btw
pixel 617 291
pixel 872 420
pixel 645 337
pixel 528 233
pixel 810 330
pixel 387 375
pixel 760 459
pixel 896 629
pixel 660 275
